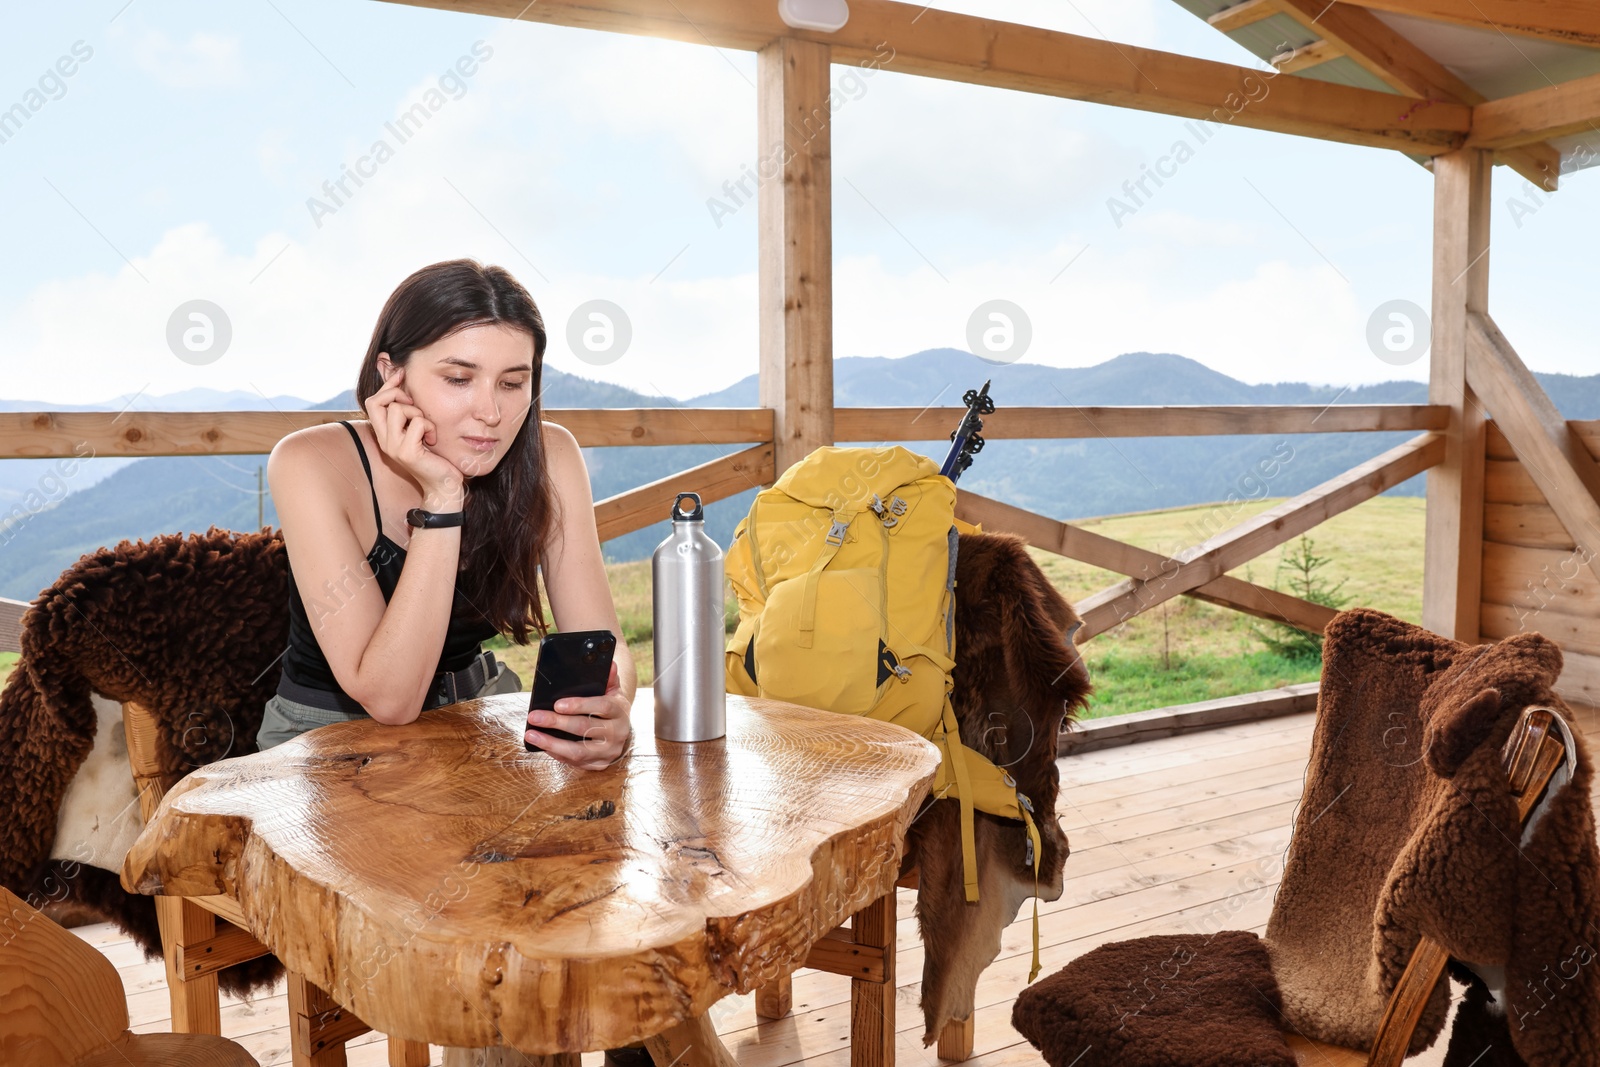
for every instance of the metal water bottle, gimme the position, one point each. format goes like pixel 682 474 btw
pixel 686 575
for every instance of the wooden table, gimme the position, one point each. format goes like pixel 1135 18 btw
pixel 445 886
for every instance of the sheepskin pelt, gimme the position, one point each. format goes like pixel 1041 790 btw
pixel 191 628
pixel 1163 1001
pixel 1017 678
pixel 1408 827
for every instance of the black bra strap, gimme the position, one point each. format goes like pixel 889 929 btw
pixel 368 468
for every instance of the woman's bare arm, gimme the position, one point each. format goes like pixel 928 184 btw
pixel 580 599
pixel 574 569
pixel 382 654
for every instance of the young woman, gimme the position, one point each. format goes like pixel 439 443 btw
pixel 386 618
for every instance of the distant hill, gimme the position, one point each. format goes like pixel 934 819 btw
pixel 1061 478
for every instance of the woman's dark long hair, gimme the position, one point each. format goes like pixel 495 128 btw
pixel 511 509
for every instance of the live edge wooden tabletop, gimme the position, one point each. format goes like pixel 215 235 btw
pixel 446 886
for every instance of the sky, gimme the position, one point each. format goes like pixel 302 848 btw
pixel 185 157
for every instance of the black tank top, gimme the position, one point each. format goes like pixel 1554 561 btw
pixel 304 662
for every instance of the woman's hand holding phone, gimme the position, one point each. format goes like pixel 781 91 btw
pixel 405 434
pixel 601 722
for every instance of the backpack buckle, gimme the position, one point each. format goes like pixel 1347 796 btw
pixel 837 531
pixel 888 513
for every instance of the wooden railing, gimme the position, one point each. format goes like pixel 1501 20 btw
pixel 1151 577
pixel 1532 570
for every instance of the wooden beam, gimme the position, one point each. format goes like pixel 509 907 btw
pixel 228 946
pixel 932 424
pixel 69 434
pixel 840 955
pixel 916 39
pixel 716 480
pixel 1553 455
pixel 63 434
pixel 1074 542
pixel 1538 115
pixel 1241 15
pixel 795 245
pixel 1567 21
pixel 1091 735
pixel 1215 556
pixel 1375 46
pixel 1306 56
pixel 1452 566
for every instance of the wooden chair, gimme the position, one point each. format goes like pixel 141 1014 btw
pixel 865 950
pixel 62 1003
pixel 1532 755
pixel 195 949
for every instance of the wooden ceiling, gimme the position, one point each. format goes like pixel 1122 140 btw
pixel 1517 63
pixel 1400 95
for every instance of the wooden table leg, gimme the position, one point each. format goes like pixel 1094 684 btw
pixel 872 1002
pixel 318 1025
pixel 196 1005
pixel 774 999
pixel 690 1044
pixel 408 1053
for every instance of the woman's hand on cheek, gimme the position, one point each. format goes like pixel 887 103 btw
pixel 602 722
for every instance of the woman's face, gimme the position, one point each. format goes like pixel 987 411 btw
pixel 475 386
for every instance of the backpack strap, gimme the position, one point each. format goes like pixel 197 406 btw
pixel 970 778
pixel 808 600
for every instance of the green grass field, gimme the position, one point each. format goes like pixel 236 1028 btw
pixel 1180 652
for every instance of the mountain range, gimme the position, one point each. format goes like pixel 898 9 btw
pixel 108 499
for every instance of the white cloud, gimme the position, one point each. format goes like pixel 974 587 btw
pixel 205 60
pixel 1191 229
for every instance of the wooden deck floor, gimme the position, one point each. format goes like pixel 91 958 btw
pixel 1184 833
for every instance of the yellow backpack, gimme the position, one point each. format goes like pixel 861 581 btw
pixel 845 574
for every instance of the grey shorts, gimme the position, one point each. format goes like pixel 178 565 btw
pixel 285 718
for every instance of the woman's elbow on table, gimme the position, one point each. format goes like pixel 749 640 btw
pixel 386 709
pixel 391 716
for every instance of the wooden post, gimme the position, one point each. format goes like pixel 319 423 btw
pixel 793 164
pixel 1452 572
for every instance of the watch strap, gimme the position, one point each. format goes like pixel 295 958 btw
pixel 418 519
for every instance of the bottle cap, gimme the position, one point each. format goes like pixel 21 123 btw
pixel 696 514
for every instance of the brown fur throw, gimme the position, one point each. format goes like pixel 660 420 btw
pixel 1164 1001
pixel 1017 678
pixel 1408 828
pixel 188 627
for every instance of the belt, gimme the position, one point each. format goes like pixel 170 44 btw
pixel 448 687
pixel 451 686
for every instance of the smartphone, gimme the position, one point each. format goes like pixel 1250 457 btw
pixel 575 664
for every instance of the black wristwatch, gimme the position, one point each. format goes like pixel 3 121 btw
pixel 418 519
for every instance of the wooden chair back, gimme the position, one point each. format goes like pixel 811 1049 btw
pixel 1531 757
pixel 59 998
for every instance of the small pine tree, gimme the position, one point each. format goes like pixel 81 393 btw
pixel 1301 563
